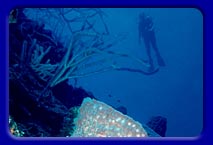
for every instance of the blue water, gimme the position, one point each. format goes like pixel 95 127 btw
pixel 176 91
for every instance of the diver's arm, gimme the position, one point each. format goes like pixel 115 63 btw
pixel 150 26
pixel 140 30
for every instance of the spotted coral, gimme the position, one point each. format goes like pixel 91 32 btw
pixel 97 119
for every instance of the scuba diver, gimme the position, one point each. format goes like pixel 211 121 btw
pixel 147 33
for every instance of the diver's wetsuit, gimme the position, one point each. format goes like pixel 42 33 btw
pixel 146 31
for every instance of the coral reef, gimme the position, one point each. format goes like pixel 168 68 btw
pixel 97 119
pixel 42 58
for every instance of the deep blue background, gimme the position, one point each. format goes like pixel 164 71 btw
pixel 176 91
pixel 204 7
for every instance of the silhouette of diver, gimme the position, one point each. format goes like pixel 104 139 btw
pixel 147 33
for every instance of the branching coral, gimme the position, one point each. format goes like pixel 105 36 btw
pixel 88 52
pixel 44 70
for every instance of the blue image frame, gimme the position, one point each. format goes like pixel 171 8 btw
pixel 203 6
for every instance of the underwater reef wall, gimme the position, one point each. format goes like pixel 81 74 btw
pixel 40 65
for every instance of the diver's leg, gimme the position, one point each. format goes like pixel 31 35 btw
pixel 148 51
pixel 155 48
pixel 154 43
